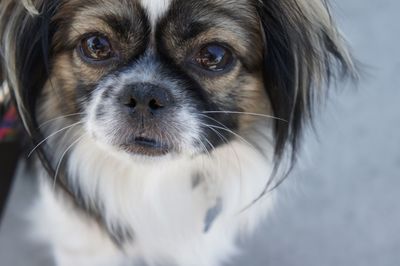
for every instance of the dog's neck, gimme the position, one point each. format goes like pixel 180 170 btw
pixel 176 199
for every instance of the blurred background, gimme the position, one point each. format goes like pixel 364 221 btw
pixel 341 205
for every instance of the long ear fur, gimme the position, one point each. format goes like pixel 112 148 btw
pixel 303 50
pixel 24 47
pixel 25 34
pixel 26 31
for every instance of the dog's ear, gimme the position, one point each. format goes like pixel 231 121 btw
pixel 303 50
pixel 25 32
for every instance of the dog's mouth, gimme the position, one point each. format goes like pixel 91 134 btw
pixel 146 146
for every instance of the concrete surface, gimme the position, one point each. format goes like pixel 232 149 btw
pixel 342 204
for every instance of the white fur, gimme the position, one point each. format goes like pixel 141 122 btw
pixel 156 8
pixel 156 200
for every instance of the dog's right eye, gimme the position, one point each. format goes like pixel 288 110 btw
pixel 96 48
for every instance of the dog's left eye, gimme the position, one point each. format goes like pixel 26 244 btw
pixel 96 48
pixel 214 58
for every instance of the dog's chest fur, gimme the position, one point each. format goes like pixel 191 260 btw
pixel 173 210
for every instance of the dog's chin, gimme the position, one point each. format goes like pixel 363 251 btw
pixel 146 147
pixel 145 150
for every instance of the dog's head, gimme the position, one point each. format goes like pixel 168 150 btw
pixel 177 77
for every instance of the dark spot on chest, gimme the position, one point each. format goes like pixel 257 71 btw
pixel 212 215
pixel 197 179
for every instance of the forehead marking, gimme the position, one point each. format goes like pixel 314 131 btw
pixel 155 8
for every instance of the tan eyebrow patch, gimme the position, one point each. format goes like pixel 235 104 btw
pixel 123 22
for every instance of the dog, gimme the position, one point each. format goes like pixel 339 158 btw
pixel 160 128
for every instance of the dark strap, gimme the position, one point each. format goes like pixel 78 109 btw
pixel 9 152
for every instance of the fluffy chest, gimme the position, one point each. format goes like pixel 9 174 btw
pixel 173 209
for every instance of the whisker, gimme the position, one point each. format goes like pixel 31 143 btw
pixel 225 140
pixel 62 157
pixel 230 131
pixel 209 143
pixel 245 113
pixel 235 134
pixel 167 140
pixel 52 135
pixel 222 137
pixel 60 117
pixel 204 149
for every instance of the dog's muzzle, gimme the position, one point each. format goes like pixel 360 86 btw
pixel 146 105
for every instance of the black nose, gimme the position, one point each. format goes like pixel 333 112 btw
pixel 146 98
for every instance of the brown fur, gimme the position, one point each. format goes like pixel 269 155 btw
pixel 77 18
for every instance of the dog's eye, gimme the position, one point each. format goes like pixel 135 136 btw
pixel 96 48
pixel 214 57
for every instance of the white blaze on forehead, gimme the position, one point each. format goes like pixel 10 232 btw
pixel 155 8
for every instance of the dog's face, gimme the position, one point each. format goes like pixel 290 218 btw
pixel 173 76
pixel 151 78
pixel 158 77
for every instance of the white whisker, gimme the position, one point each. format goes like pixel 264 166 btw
pixel 229 131
pixel 222 137
pixel 233 133
pixel 60 117
pixel 204 148
pixel 209 143
pixel 245 113
pixel 62 157
pixel 53 134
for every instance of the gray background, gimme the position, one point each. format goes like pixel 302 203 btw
pixel 341 205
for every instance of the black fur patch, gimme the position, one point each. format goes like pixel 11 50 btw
pixel 212 214
pixel 197 179
pixel 121 234
pixel 290 69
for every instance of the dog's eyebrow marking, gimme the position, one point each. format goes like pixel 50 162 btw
pixel 212 214
pixel 121 25
pixel 155 9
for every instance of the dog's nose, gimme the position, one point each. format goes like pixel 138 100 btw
pixel 146 98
